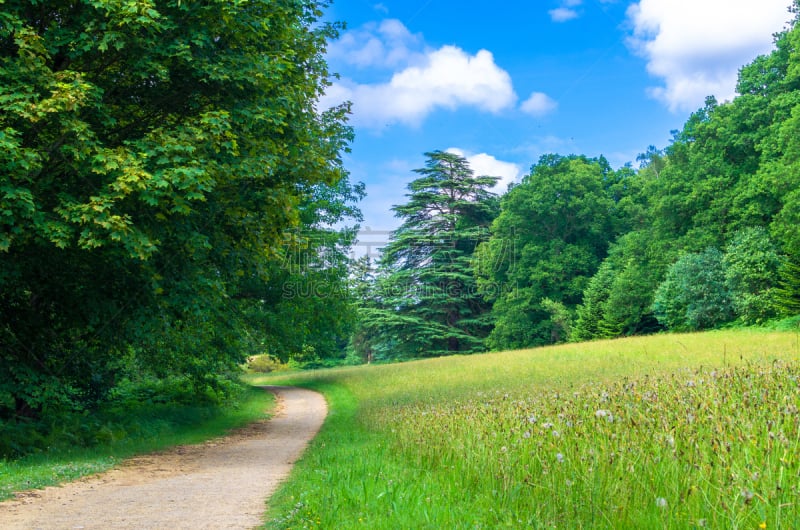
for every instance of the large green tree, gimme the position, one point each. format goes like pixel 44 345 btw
pixel 425 299
pixel 549 239
pixel 153 154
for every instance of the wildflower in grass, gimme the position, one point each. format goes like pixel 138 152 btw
pixel 661 502
pixel 762 525
pixel 690 383
pixel 526 434
pixel 559 457
pixel 532 418
pixel 747 496
pixel 603 413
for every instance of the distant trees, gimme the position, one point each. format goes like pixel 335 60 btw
pixel 703 233
pixel 728 181
pixel 425 300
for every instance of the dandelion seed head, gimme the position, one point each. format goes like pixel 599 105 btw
pixel 559 457
pixel 661 502
pixel 747 495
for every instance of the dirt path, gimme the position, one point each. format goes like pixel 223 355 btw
pixel 220 484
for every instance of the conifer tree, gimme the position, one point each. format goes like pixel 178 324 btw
pixel 787 294
pixel 428 303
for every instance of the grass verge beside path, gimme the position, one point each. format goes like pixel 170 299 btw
pixel 668 431
pixel 156 428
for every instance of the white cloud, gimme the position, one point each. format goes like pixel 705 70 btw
pixel 697 47
pixel 385 44
pixel 539 104
pixel 446 78
pixel 485 164
pixel 562 14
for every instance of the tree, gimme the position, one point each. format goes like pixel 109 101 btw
pixel 618 299
pixel 426 302
pixel 787 293
pixel 549 239
pixel 152 156
pixel 751 270
pixel 694 295
pixel 306 304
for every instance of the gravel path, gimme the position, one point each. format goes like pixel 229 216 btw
pixel 220 484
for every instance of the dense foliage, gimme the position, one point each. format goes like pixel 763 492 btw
pixel 719 215
pixel 552 233
pixel 160 162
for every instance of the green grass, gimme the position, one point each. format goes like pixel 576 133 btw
pixel 152 428
pixel 668 431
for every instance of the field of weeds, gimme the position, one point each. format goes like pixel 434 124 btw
pixel 673 431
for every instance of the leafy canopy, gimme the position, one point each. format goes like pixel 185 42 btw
pixel 153 156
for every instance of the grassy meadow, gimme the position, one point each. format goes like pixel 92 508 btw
pixel 667 431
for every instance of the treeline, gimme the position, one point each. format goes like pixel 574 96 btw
pixel 701 234
pixel 164 174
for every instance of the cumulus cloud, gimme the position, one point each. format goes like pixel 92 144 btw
pixel 385 44
pixel 697 47
pixel 445 78
pixel 538 104
pixel 485 164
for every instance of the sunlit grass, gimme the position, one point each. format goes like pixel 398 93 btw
pixel 676 431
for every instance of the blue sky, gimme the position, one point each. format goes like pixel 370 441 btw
pixel 503 83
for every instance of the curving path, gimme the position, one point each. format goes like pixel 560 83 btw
pixel 220 484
